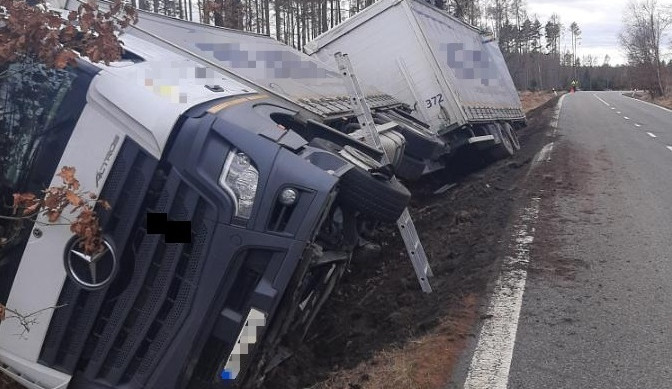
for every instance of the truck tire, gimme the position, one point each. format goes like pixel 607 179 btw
pixel 504 149
pixel 511 132
pixel 374 196
pixel 378 198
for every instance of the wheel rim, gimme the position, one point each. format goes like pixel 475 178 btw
pixel 512 136
pixel 505 138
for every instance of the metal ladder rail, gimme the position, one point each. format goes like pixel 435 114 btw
pixel 405 223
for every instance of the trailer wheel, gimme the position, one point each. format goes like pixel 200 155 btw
pixel 504 149
pixel 373 195
pixel 512 135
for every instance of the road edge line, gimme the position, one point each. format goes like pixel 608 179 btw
pixel 491 360
pixel 493 355
pixel 646 102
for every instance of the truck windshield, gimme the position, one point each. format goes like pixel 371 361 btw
pixel 38 111
pixel 30 95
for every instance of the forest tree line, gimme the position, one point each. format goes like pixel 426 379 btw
pixel 541 54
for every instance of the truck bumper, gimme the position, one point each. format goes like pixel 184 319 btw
pixel 482 142
pixel 32 375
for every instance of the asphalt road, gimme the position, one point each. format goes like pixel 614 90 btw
pixel 597 306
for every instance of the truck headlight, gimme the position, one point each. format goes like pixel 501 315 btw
pixel 239 178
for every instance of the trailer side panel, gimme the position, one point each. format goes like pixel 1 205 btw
pixel 387 51
pixel 475 68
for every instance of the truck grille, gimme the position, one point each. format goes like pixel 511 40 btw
pixel 114 335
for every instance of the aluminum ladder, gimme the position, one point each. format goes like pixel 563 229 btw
pixel 405 224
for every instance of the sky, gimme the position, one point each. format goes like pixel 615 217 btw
pixel 600 22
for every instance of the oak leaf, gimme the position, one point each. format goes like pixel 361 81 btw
pixel 53 215
pixel 68 175
pixel 24 200
pixel 63 59
pixel 53 198
pixel 73 198
pixel 31 209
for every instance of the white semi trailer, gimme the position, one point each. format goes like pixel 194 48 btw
pixel 314 92
pixel 451 75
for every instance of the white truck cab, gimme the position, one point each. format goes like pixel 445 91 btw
pixel 273 219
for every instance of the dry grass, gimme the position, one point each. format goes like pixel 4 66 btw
pixel 532 100
pixel 423 363
pixel 665 101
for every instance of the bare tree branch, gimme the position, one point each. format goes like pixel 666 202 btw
pixel 25 320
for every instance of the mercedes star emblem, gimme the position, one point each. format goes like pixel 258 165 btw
pixel 91 271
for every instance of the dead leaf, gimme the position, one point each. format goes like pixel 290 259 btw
pixel 31 209
pixel 22 200
pixel 68 175
pixel 53 198
pixel 53 215
pixel 73 198
pixel 63 59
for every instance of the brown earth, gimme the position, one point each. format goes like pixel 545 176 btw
pixel 531 100
pixel 7 383
pixel 379 330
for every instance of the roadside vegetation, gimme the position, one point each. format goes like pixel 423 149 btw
pixel 645 25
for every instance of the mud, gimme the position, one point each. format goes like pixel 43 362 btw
pixel 379 306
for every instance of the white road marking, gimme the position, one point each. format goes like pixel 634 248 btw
pixel 646 102
pixel 613 108
pixel 626 118
pixel 556 115
pixel 618 112
pixel 544 154
pixel 605 103
pixel 637 125
pixel 491 362
pixel 652 135
pixel 669 148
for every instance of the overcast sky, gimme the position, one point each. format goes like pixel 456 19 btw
pixel 600 22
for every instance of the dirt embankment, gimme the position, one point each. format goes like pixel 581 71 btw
pixel 379 330
pixel 531 100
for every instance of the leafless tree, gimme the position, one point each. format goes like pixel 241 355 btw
pixel 576 33
pixel 645 22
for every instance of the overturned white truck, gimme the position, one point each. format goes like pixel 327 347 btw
pixel 451 75
pixel 268 217
pixel 315 92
